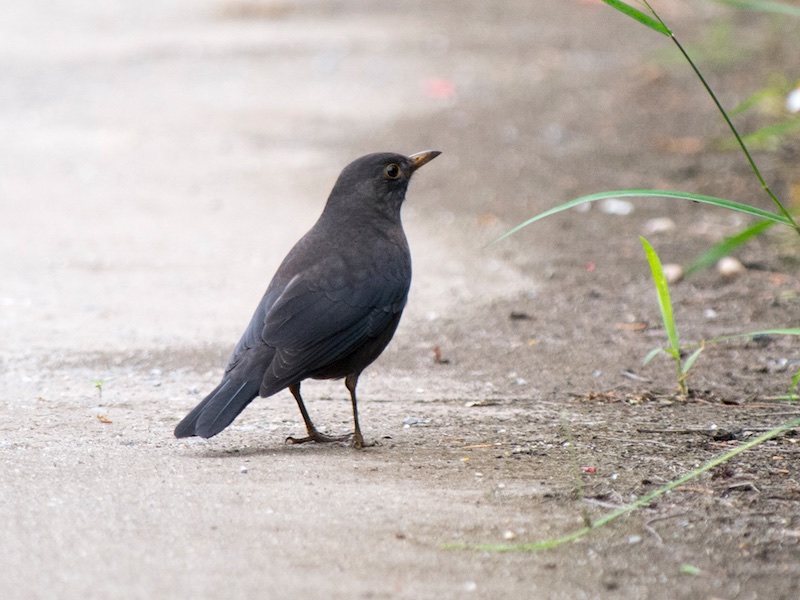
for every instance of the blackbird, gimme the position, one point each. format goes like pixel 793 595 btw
pixel 332 306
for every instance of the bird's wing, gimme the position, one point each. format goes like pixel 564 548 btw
pixel 317 321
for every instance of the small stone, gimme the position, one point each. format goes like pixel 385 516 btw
pixel 793 101
pixel 673 272
pixel 730 267
pixel 710 313
pixel 243 469
pixel 659 225
pixel 616 206
pixel 509 535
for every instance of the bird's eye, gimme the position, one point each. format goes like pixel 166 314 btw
pixel 392 171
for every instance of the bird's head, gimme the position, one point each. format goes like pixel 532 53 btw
pixel 376 182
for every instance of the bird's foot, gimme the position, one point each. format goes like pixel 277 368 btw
pixel 351 439
pixel 320 438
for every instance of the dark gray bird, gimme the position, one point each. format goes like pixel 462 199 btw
pixel 333 304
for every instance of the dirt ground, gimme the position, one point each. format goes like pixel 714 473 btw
pixel 159 159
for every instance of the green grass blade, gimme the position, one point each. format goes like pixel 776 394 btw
pixel 652 354
pixel 662 290
pixel 775 92
pixel 643 501
pixel 784 331
pixel 689 362
pixel 645 193
pixel 765 138
pixel 742 336
pixel 752 334
pixel 726 246
pixel 733 129
pixel 763 6
pixel 687 569
pixel 794 384
pixel 635 13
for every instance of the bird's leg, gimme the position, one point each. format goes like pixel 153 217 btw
pixel 313 434
pixel 351 381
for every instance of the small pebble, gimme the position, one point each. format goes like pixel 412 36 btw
pixel 710 313
pixel 730 267
pixel 673 272
pixel 509 535
pixel 793 101
pixel 243 469
pixel 659 225
pixel 634 539
pixel 616 206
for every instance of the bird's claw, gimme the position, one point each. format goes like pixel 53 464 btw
pixel 351 439
pixel 319 438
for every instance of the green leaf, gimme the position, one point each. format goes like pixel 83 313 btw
pixel 726 246
pixel 689 363
pixel 764 6
pixel 752 334
pixel 662 290
pixel 652 354
pixel 690 569
pixel 765 138
pixel 775 92
pixel 635 13
pixel 747 336
pixel 644 193
pixel 795 383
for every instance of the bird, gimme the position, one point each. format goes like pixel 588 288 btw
pixel 332 306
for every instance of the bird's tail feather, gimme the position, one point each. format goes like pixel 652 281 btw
pixel 218 409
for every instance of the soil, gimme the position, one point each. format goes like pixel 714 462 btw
pixel 158 161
